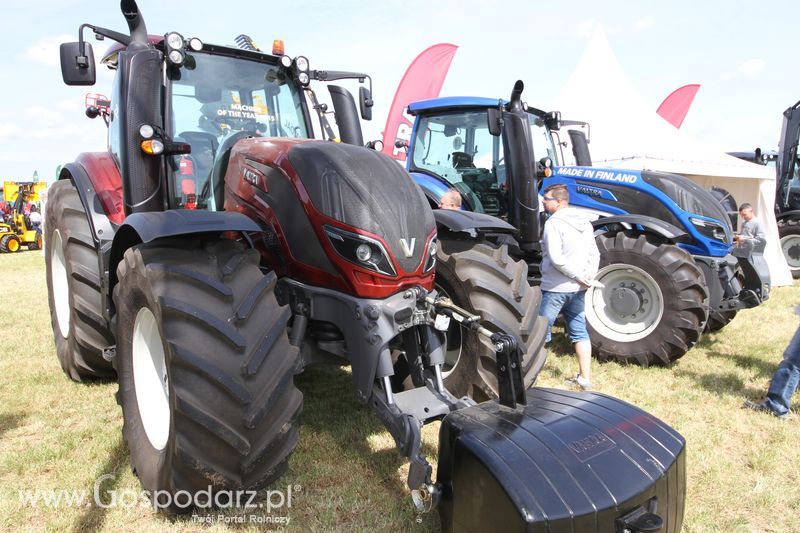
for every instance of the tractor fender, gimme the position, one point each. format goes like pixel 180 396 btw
pixel 146 227
pixel 469 222
pixel 788 215
pixel 97 181
pixel 648 224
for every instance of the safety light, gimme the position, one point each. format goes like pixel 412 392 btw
pixel 277 47
pixel 174 47
pixel 152 146
pixel 301 64
pixel 174 40
pixel 146 131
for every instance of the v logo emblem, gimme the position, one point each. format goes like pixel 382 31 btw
pixel 408 249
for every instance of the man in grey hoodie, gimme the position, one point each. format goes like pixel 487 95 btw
pixel 569 264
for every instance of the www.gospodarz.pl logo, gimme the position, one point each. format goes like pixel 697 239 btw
pixel 266 501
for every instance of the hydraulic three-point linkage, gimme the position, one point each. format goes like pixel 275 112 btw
pixel 404 413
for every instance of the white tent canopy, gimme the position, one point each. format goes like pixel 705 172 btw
pixel 627 133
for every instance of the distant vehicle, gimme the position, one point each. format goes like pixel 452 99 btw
pixel 787 192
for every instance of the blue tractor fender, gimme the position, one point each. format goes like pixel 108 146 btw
pixel 640 223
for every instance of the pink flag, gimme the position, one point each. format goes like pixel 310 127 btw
pixel 423 79
pixel 675 106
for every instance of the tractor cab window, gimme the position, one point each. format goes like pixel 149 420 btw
pixel 216 100
pixel 543 145
pixel 459 149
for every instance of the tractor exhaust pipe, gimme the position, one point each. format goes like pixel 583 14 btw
pixel 520 157
pixel 135 22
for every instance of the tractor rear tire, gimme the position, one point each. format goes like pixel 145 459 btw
pixel 73 286
pixel 37 241
pixel 206 371
pixel 789 232
pixel 10 244
pixel 661 284
pixel 486 281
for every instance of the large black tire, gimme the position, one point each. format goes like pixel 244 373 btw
pixel 10 244
pixel 37 241
pixel 719 319
pixel 789 231
pixel 486 281
pixel 226 369
pixel 73 287
pixel 654 305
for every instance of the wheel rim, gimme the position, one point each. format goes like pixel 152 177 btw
pixel 453 341
pixel 60 282
pixel 150 378
pixel 13 245
pixel 790 244
pixel 630 305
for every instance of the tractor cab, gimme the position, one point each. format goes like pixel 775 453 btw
pixel 454 147
pixel 210 97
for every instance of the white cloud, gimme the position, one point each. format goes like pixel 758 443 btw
pixel 46 50
pixel 750 69
pixel 7 129
pixel 644 24
pixel 42 115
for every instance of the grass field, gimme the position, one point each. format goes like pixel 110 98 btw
pixel 743 468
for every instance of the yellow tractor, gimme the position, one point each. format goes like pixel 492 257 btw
pixel 18 230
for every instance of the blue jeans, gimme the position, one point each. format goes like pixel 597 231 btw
pixel 786 377
pixel 573 306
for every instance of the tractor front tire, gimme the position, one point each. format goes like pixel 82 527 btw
pixel 719 319
pixel 73 286
pixel 206 371
pixel 484 280
pixel 37 241
pixel 789 232
pixel 654 303
pixel 10 244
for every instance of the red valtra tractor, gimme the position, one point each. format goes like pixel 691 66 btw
pixel 216 250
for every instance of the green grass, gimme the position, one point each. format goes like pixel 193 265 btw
pixel 743 472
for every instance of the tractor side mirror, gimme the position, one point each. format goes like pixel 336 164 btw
pixel 494 121
pixel 77 63
pixel 365 103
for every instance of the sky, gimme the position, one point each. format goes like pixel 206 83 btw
pixel 744 55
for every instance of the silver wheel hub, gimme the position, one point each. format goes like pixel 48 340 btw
pixel 59 279
pixel 790 244
pixel 150 378
pixel 629 307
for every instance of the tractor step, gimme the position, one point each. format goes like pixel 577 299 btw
pixel 566 461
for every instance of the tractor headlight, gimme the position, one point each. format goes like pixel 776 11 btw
pixel 360 250
pixel 303 78
pixel 174 40
pixel 195 44
pixel 286 61
pixel 430 258
pixel 301 64
pixel 146 131
pixel 710 229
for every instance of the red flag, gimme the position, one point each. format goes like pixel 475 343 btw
pixel 423 79
pixel 675 106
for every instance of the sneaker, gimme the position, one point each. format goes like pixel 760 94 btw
pixel 762 407
pixel 578 381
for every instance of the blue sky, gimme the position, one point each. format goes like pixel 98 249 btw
pixel 745 56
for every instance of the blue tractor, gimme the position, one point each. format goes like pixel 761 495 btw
pixel 665 242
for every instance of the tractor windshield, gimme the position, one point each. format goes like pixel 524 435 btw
pixel 215 98
pixel 459 148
